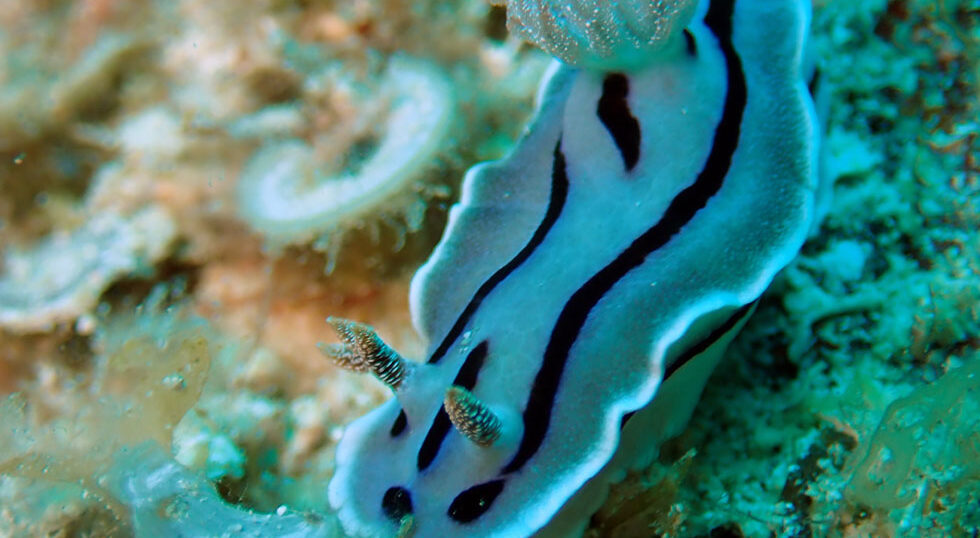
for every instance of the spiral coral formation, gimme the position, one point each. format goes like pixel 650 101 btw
pixel 597 33
pixel 285 197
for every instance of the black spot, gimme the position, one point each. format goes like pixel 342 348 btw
pixel 466 378
pixel 615 114
pixel 474 502
pixel 397 503
pixel 692 45
pixel 400 424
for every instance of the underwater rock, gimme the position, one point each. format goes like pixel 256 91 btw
pixel 114 442
pixel 164 498
pixel 35 104
pixel 64 275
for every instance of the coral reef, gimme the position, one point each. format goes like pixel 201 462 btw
pixel 847 407
pixel 112 435
pixel 71 432
pixel 65 66
pixel 125 130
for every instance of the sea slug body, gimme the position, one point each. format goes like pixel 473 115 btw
pixel 587 283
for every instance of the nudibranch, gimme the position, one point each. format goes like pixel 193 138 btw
pixel 587 283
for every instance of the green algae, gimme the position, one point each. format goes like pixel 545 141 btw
pixel 106 452
pixel 932 431
pixel 144 390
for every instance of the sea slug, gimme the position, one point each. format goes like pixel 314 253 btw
pixel 587 283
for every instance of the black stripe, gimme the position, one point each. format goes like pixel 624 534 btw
pixel 537 413
pixel 433 440
pixel 703 345
pixel 699 348
pixel 401 422
pixel 625 418
pixel 466 378
pixel 559 191
pixel 614 112
pixel 692 44
pixel 814 84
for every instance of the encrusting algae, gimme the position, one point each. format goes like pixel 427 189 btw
pixel 73 432
pixel 166 142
